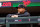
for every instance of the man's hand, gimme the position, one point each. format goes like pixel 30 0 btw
pixel 14 16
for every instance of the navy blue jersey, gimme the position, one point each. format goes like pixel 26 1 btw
pixel 19 15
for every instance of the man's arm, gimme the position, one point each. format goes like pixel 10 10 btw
pixel 24 15
pixel 9 15
pixel 12 15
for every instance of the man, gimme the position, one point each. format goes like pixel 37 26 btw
pixel 21 12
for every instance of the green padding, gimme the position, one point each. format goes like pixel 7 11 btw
pixel 16 4
pixel 34 4
pixel 31 4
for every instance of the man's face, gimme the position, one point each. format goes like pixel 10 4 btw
pixel 21 9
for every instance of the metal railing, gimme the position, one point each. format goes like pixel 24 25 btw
pixel 19 20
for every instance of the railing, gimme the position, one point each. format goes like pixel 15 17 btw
pixel 19 20
pixel 2 20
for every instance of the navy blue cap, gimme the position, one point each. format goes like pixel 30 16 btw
pixel 21 5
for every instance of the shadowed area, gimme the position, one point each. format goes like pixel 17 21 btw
pixel 34 11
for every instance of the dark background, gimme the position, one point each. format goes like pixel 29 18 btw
pixel 34 11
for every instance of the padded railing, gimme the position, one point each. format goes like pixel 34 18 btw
pixel 19 20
